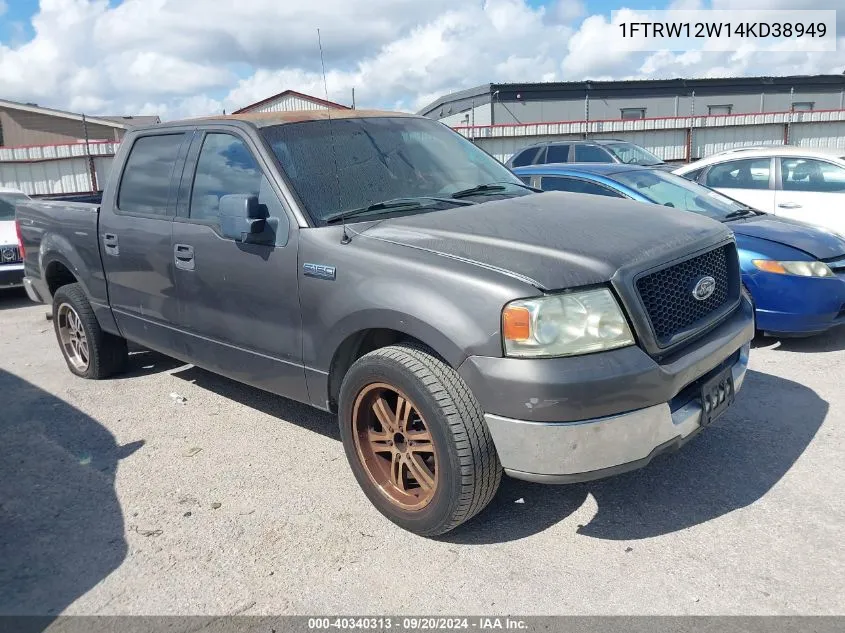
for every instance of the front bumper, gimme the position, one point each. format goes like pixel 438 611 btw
pixel 586 417
pixel 789 305
pixel 569 452
pixel 11 275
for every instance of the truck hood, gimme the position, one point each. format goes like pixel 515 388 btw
pixel 554 240
pixel 817 242
pixel 8 236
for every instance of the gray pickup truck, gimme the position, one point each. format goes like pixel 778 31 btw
pixel 379 266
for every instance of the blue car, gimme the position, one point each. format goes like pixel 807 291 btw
pixel 794 272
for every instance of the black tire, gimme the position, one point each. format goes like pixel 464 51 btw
pixel 468 468
pixel 107 354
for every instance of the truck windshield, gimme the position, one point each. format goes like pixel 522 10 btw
pixel 350 164
pixel 675 191
pixel 7 204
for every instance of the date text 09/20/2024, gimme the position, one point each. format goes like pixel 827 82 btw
pixel 418 623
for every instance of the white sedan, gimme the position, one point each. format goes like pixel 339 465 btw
pixel 11 262
pixel 793 182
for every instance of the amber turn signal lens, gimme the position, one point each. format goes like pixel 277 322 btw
pixel 516 323
pixel 770 266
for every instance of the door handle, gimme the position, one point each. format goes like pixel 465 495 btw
pixel 184 254
pixel 789 205
pixel 110 244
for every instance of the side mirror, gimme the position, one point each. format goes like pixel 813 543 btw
pixel 241 217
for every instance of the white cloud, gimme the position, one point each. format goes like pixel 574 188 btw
pixel 457 49
pixel 569 10
pixel 598 50
pixel 193 57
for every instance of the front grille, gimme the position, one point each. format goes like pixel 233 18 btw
pixel 668 298
pixel 10 255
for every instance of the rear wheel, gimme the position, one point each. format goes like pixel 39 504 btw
pixel 88 351
pixel 416 440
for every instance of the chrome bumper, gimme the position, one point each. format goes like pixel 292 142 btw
pixel 569 452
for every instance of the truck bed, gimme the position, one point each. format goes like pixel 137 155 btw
pixel 69 229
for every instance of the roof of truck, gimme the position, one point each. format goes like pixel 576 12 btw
pixel 263 119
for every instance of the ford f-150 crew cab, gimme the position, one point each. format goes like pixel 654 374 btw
pixel 380 266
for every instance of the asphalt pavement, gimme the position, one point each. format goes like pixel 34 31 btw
pixel 170 490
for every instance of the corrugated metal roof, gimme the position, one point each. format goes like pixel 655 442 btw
pixel 262 119
pixel 294 93
pixel 634 87
pixel 117 122
pixel 786 80
pixel 132 121
pixel 469 93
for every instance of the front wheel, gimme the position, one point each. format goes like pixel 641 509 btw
pixel 416 440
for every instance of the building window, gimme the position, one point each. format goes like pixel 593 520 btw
pixel 632 114
pixel 719 109
pixel 802 106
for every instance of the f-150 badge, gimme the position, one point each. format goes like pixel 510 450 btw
pixel 321 271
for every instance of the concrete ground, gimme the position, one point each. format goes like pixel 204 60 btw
pixel 118 498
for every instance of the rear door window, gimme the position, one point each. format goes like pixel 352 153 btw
pixel 558 154
pixel 750 173
pixel 592 154
pixel 145 184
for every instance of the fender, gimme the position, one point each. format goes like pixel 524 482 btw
pixel 55 248
pixel 452 330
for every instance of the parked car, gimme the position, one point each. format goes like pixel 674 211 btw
pixel 11 262
pixel 791 182
pixel 588 151
pixel 382 267
pixel 795 272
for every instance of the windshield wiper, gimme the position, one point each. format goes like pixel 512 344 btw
pixel 492 186
pixel 392 205
pixel 742 213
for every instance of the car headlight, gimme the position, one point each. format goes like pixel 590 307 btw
pixel 564 325
pixel 799 269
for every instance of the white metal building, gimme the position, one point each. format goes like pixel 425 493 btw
pixel 48 151
pixel 291 100
pixel 55 159
pixel 677 119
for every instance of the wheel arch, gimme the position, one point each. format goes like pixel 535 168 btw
pixel 61 260
pixel 58 273
pixel 361 341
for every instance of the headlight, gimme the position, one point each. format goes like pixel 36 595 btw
pixel 799 269
pixel 565 325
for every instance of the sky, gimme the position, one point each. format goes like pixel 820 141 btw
pixel 179 58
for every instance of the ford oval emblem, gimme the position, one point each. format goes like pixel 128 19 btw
pixel 704 288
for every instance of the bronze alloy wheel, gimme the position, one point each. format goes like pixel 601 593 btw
pixel 72 337
pixel 395 446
